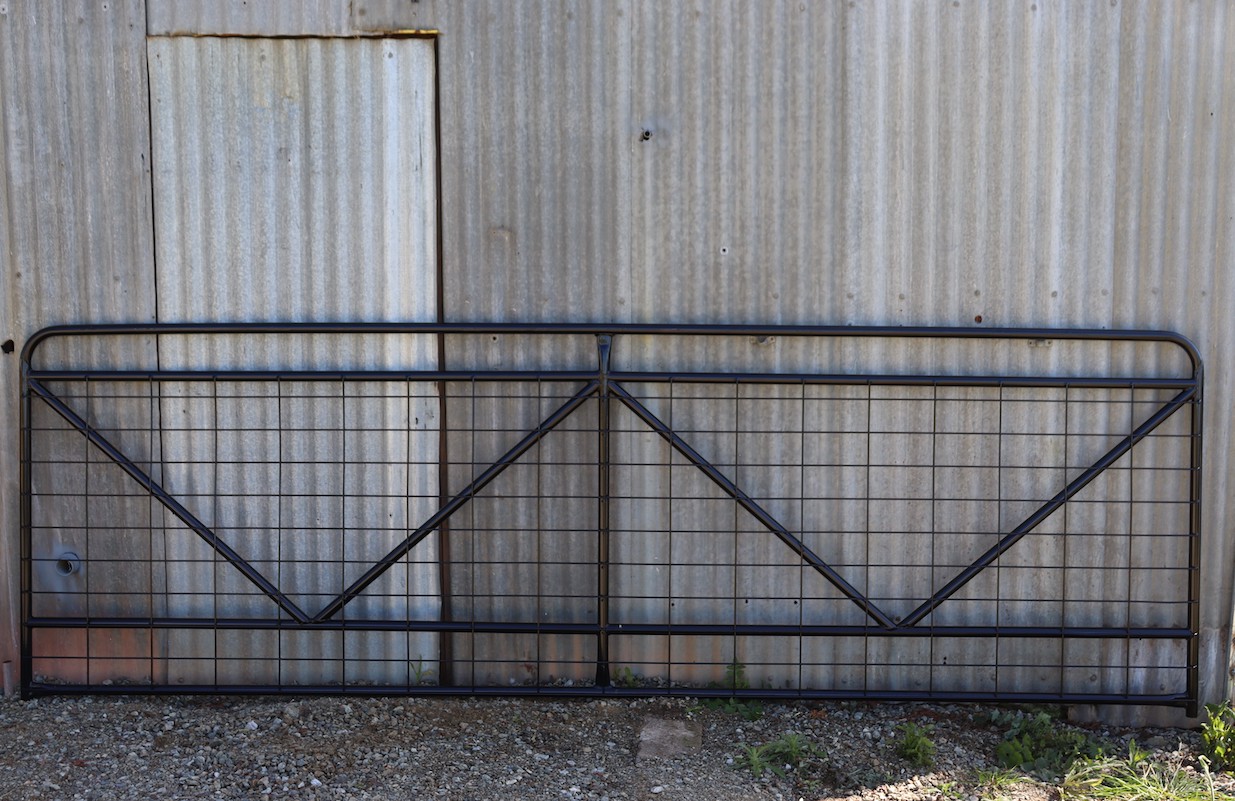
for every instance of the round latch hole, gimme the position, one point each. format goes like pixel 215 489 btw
pixel 68 563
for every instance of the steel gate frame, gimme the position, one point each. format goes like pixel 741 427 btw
pixel 608 386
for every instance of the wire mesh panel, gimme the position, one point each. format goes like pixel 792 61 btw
pixel 713 511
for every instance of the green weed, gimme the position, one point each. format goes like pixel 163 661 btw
pixel 1218 734
pixel 735 676
pixel 735 679
pixel 625 677
pixel 780 756
pixel 915 745
pixel 1036 744
pixel 420 673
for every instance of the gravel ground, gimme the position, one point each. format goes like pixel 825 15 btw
pixel 405 748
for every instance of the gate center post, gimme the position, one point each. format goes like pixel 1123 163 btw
pixel 604 343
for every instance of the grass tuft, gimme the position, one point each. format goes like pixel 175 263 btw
pixel 779 756
pixel 1136 777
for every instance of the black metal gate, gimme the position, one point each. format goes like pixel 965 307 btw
pixel 785 512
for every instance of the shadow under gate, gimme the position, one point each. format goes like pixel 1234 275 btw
pixel 703 510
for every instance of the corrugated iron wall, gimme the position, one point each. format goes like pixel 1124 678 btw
pixel 875 163
pixel 295 179
pixel 76 232
pixel 1033 163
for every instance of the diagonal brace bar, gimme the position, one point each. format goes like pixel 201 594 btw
pixel 480 482
pixel 1050 507
pixel 749 504
pixel 171 504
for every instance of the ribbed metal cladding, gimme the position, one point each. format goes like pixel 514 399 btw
pixel 75 217
pixel 545 96
pixel 865 163
pixel 1027 162
pixel 295 179
pixel 267 18
pixel 67 71
pixel 544 217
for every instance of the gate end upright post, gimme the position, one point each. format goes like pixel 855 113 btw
pixel 25 547
pixel 1194 551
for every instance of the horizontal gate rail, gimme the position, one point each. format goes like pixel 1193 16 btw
pixel 849 537
pixel 497 627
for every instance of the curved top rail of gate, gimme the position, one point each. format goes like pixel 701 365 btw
pixel 616 329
